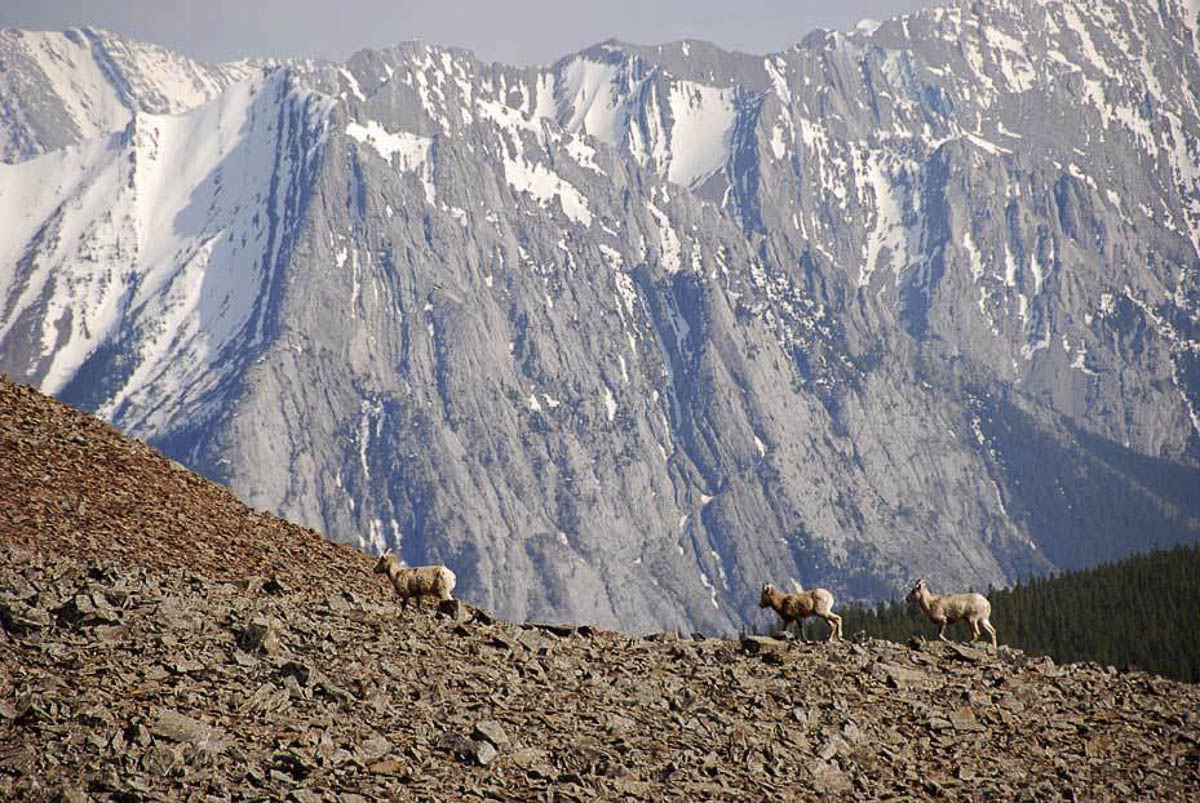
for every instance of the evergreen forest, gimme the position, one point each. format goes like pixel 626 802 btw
pixel 1142 611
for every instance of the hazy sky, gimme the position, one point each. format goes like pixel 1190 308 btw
pixel 518 32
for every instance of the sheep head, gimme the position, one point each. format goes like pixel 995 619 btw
pixel 919 588
pixel 764 599
pixel 382 564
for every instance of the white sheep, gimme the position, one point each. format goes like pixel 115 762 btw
pixel 416 581
pixel 801 605
pixel 944 609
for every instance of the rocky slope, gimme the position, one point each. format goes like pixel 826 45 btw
pixel 149 650
pixel 621 338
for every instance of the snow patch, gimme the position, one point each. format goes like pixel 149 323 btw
pixel 583 154
pixel 545 185
pixel 588 90
pixel 410 151
pixel 889 234
pixel 866 26
pixel 406 151
pixel 703 119
pixel 671 248
pixel 353 82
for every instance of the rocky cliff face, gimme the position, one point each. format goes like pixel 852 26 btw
pixel 621 338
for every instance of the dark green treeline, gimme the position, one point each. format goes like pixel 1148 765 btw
pixel 1143 611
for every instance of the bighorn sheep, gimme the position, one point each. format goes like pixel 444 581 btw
pixel 944 609
pixel 416 581
pixel 801 605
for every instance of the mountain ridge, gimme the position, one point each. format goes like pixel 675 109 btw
pixel 827 328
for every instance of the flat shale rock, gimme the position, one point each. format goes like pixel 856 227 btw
pixel 375 748
pixel 176 727
pixel 261 634
pixel 493 732
pixel 86 610
pixel 18 618
pixel 899 677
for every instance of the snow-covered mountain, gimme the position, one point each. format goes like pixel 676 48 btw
pixel 62 88
pixel 621 338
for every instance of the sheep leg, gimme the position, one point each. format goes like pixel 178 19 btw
pixel 835 622
pixel 974 630
pixel 942 631
pixel 991 632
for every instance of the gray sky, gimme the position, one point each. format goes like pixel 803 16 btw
pixel 517 32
